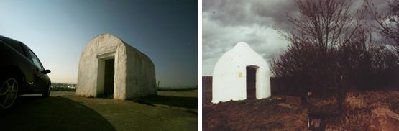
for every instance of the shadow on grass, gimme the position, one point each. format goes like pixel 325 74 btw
pixel 176 101
pixel 51 114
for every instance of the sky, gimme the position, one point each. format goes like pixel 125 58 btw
pixel 58 31
pixel 255 22
pixel 260 23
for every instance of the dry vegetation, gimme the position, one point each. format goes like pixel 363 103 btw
pixel 364 110
pixel 368 110
pixel 253 115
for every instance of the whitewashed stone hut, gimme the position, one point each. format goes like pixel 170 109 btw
pixel 240 74
pixel 111 68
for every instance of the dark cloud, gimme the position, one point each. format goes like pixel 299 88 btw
pixel 226 22
pixel 261 12
pixel 218 38
pixel 278 11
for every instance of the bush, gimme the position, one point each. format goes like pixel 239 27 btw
pixel 331 48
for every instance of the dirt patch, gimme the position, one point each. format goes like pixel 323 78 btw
pixel 253 115
pixel 264 114
pixel 293 100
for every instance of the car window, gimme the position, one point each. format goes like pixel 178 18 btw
pixel 19 47
pixel 35 60
pixel 25 51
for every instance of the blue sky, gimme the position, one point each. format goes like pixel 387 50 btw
pixel 58 30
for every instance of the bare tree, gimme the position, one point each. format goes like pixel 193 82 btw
pixel 385 59
pixel 328 45
pixel 387 20
pixel 321 28
pixel 325 23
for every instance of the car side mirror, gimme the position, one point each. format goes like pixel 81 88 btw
pixel 46 71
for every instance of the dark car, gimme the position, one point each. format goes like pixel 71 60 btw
pixel 21 72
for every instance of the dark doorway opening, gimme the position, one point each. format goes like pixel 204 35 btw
pixel 251 82
pixel 109 78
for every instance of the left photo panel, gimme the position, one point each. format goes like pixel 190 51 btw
pixel 99 65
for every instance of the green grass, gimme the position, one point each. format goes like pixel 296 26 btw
pixel 182 99
pixel 170 110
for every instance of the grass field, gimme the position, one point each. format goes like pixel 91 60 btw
pixel 170 110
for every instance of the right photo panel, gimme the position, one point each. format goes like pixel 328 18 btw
pixel 300 65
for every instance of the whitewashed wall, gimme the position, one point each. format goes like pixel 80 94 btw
pixel 134 71
pixel 229 76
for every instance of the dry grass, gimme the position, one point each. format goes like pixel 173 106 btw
pixel 369 110
pixel 366 110
pixel 355 102
pixel 363 110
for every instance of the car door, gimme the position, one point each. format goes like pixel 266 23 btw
pixel 39 81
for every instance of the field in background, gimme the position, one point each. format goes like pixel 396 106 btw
pixel 63 87
pixel 170 110
pixel 72 87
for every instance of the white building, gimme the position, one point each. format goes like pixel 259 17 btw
pixel 234 69
pixel 110 67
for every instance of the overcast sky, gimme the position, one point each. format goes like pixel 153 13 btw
pixel 58 30
pixel 226 22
